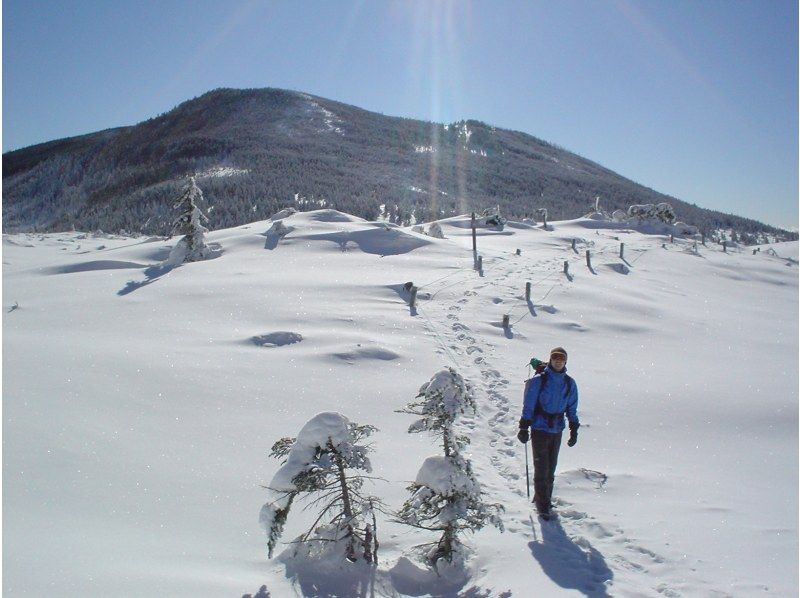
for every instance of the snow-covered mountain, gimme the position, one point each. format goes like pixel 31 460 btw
pixel 256 151
pixel 141 401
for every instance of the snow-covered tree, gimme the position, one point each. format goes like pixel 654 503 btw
pixel 192 246
pixel 325 460
pixel 435 230
pixel 439 402
pixel 492 217
pixel 662 212
pixel 445 495
pixel 619 216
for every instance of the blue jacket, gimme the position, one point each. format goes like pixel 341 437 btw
pixel 554 398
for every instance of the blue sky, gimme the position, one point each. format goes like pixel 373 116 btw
pixel 697 99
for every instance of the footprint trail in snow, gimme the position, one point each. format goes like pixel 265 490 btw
pixel 574 549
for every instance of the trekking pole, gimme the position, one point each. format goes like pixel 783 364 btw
pixel 527 475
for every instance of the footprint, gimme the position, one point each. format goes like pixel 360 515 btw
pixel 597 531
pixel 646 552
pixel 630 566
pixel 667 591
pixel 571 514
pixel 595 476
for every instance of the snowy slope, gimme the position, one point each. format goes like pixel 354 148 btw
pixel 140 403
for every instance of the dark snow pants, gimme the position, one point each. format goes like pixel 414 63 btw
pixel 545 457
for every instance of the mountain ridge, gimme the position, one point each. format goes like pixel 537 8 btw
pixel 281 148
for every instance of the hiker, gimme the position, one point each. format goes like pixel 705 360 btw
pixel 549 396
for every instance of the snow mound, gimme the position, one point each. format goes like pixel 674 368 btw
pixel 785 249
pixel 410 579
pixel 332 216
pixel 93 266
pixel 285 213
pixel 16 242
pixel 367 353
pixel 378 241
pixel 277 339
pixel 584 478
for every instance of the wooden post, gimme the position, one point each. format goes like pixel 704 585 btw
pixel 622 251
pixel 703 238
pixel 413 301
pixel 566 267
pixel 589 259
pixel 573 244
pixel 480 263
pixel 725 246
pixel 671 238
pixel 528 290
pixel 506 319
pixel 474 239
pixel 545 221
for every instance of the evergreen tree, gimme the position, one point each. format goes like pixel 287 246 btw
pixel 446 497
pixel 325 460
pixel 192 246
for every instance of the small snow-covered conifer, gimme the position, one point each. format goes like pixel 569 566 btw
pixel 439 402
pixel 445 495
pixel 192 246
pixel 325 460
pixel 435 230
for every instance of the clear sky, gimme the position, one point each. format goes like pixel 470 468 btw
pixel 694 98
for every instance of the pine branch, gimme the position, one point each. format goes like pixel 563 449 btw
pixel 318 519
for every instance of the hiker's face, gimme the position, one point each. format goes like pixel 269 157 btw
pixel 557 362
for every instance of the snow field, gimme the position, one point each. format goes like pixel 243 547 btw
pixel 139 410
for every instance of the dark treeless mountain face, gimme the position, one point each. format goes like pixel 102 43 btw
pixel 256 151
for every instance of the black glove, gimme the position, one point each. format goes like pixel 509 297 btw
pixel 573 433
pixel 524 434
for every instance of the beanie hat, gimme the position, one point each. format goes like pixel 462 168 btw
pixel 559 350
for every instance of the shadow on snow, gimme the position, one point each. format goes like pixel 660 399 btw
pixel 572 565
pixel 152 274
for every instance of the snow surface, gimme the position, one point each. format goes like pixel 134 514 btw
pixel 139 410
